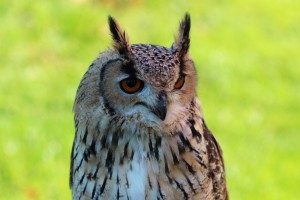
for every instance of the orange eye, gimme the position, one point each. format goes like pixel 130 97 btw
pixel 131 85
pixel 180 82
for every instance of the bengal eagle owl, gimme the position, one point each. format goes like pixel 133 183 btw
pixel 140 133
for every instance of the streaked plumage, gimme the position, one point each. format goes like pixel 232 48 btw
pixel 148 144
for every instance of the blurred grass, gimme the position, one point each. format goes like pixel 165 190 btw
pixel 247 54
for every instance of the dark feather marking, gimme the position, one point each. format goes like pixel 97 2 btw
pixel 103 142
pixel 122 122
pixel 127 183
pixel 175 159
pixel 128 68
pixel 210 174
pixel 150 146
pixel 190 183
pixel 94 190
pixel 125 153
pixel 195 133
pixel 96 171
pixel 76 127
pixel 159 191
pixel 115 139
pixel 186 196
pixel 109 162
pixel 77 168
pixel 85 136
pixel 118 193
pixel 89 176
pixel 166 165
pixel 84 189
pixel 86 155
pixel 132 154
pixel 189 167
pixel 92 148
pixel 103 185
pixel 181 148
pixel 200 161
pixel 169 179
pixel 118 179
pixel 187 143
pixel 110 110
pixel 126 149
pixel 76 123
pixel 97 194
pixel 77 147
pixel 75 156
pixel 157 146
pixel 81 179
pixel 204 124
pixel 149 182
pixel 72 163
pixel 118 183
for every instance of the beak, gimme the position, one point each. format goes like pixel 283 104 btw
pixel 160 109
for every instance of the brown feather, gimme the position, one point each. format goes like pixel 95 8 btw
pixel 182 41
pixel 120 39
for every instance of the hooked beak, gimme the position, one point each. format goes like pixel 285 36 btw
pixel 160 109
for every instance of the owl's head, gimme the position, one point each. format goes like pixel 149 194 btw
pixel 148 83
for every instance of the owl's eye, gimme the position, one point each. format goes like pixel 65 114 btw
pixel 180 82
pixel 131 85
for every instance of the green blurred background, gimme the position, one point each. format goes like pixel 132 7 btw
pixel 247 55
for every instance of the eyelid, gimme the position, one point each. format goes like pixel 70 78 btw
pixel 183 73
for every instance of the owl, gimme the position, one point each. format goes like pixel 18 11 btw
pixel 140 132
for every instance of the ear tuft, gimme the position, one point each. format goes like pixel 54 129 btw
pixel 182 41
pixel 120 40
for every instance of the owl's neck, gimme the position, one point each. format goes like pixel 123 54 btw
pixel 137 161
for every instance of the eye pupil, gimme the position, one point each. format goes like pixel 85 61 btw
pixel 131 82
